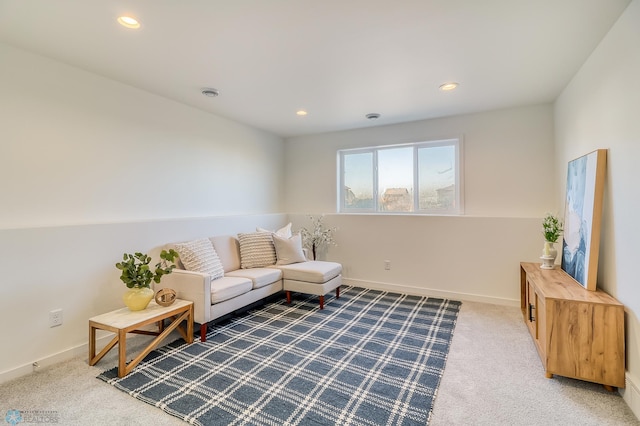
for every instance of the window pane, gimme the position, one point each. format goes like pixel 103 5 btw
pixel 437 177
pixel 395 179
pixel 421 177
pixel 358 181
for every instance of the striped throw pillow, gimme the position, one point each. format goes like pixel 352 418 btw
pixel 256 250
pixel 200 256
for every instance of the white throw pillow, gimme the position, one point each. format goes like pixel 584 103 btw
pixel 200 256
pixel 256 250
pixel 285 231
pixel 288 250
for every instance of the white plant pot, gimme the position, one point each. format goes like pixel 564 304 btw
pixel 549 254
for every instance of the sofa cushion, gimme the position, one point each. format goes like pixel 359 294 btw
pixel 314 271
pixel 260 277
pixel 200 256
pixel 228 251
pixel 256 250
pixel 285 231
pixel 288 250
pixel 228 287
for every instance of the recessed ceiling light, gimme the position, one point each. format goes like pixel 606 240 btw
pixel 448 86
pixel 129 22
pixel 301 112
pixel 210 92
pixel 372 116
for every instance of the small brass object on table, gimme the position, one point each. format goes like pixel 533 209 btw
pixel 165 297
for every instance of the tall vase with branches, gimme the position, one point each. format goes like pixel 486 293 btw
pixel 318 236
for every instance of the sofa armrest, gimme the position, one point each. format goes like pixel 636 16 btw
pixel 193 286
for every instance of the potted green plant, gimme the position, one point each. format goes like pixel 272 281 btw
pixel 319 236
pixel 551 229
pixel 137 276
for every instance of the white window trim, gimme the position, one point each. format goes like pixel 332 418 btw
pixel 457 142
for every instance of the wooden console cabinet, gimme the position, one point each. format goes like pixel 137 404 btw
pixel 578 333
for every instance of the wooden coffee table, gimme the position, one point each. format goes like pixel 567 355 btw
pixel 123 321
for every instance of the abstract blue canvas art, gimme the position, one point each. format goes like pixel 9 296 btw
pixel 583 210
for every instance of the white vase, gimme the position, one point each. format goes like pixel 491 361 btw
pixel 549 254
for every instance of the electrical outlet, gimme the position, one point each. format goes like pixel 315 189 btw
pixel 387 265
pixel 55 318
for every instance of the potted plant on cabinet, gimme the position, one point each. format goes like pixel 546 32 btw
pixel 137 276
pixel 551 229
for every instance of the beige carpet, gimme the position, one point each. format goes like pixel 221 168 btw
pixel 493 377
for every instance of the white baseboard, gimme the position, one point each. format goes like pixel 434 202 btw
pixel 26 369
pixel 631 393
pixel 421 291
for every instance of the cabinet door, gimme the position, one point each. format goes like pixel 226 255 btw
pixel 586 341
pixel 537 319
pixel 530 310
pixel 533 314
pixel 541 321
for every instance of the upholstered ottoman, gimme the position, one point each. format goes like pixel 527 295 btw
pixel 312 277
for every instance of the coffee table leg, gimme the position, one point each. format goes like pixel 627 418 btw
pixel 122 353
pixel 159 338
pixel 92 343
pixel 190 325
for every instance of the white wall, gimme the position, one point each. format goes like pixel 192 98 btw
pixel 91 168
pixel 600 109
pixel 79 148
pixel 509 185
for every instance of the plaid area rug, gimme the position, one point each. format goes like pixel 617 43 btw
pixel 368 358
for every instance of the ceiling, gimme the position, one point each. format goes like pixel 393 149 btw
pixel 337 59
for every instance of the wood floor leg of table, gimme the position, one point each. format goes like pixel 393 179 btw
pixel 152 345
pixel 122 353
pixel 95 358
pixel 184 333
pixel 190 325
pixel 92 343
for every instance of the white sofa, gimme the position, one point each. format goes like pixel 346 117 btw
pixel 241 285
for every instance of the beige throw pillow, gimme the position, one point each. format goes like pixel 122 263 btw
pixel 288 250
pixel 200 256
pixel 285 231
pixel 256 250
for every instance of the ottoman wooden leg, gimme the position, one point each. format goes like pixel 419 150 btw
pixel 289 297
pixel 321 302
pixel 337 292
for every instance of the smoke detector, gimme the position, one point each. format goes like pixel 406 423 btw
pixel 372 116
pixel 212 93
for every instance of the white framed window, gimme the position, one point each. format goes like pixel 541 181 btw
pixel 417 178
